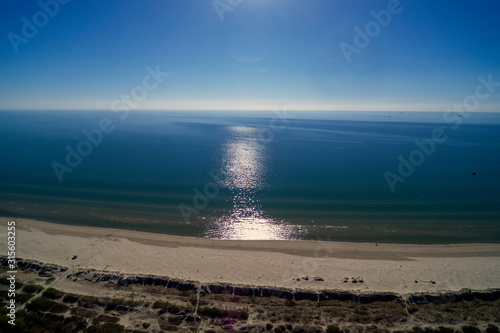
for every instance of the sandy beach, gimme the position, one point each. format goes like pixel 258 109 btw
pixel 382 267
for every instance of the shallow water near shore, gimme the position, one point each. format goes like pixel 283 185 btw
pixel 264 176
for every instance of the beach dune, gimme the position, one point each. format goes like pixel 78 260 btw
pixel 403 269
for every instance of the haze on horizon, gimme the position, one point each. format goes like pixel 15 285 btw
pixel 249 54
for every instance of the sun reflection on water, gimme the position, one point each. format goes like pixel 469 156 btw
pixel 245 163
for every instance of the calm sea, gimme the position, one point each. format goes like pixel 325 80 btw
pixel 257 175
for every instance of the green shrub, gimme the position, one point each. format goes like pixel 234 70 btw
pixel 84 312
pixel 160 305
pixel 106 327
pixel 74 324
pixel 176 320
pixel 131 303
pixel 115 302
pixel 23 298
pixel 440 329
pixel 239 314
pixel 32 288
pixel 470 329
pixel 33 322
pixel 88 299
pixel 106 319
pixel 46 305
pixel 234 299
pixel 332 329
pixel 214 312
pixel 51 293
pixel 146 325
pixel 492 329
pixel 70 298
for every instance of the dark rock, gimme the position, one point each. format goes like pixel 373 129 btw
pixel 327 294
pixel 265 292
pixel 384 297
pixel 451 298
pixel 185 286
pixel 418 299
pixel 467 296
pixel 485 296
pixel 280 293
pixel 311 296
pixel 243 291
pixel 123 281
pixel 160 281
pixel 345 296
pixel 214 288
pixel 105 278
pixel 149 281
pixel 365 299
pixel 435 299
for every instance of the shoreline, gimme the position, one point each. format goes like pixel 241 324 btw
pixel 383 268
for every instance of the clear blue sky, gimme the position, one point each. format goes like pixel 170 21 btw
pixel 263 54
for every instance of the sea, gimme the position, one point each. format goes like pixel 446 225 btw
pixel 387 177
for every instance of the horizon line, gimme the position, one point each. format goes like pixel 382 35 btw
pixel 236 110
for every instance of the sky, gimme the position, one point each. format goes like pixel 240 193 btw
pixel 420 55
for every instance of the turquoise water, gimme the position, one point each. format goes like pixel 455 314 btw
pixel 256 176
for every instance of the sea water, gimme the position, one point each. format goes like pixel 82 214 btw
pixel 262 175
